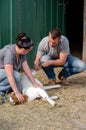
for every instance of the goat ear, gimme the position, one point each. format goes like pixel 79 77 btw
pixel 15 99
pixel 12 100
pixel 25 98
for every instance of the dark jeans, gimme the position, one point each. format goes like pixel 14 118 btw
pixel 72 66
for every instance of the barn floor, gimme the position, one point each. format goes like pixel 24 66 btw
pixel 69 114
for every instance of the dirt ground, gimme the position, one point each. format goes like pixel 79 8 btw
pixel 69 114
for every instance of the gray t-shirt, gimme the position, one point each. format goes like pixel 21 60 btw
pixel 45 49
pixel 8 56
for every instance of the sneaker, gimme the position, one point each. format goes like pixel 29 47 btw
pixel 51 82
pixel 2 93
pixel 2 98
pixel 63 80
pixel 60 75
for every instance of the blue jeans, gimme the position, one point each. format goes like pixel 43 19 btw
pixel 4 83
pixel 72 66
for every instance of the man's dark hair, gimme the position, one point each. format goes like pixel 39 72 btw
pixel 55 33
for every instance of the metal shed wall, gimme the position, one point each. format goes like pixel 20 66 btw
pixel 35 17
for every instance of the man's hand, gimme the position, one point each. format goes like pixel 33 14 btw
pixel 20 97
pixel 36 67
pixel 46 63
pixel 38 85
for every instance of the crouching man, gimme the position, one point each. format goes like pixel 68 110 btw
pixel 53 51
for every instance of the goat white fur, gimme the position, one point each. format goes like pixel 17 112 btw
pixel 33 92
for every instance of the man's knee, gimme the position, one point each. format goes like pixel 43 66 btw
pixel 45 57
pixel 81 66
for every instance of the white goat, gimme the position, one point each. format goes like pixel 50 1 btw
pixel 33 93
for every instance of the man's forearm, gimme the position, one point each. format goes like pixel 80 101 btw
pixel 37 60
pixel 13 84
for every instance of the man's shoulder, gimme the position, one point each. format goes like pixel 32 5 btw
pixel 45 38
pixel 44 41
pixel 64 39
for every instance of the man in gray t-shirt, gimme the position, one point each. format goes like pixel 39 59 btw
pixel 53 51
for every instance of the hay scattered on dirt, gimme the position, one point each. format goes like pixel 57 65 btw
pixel 69 114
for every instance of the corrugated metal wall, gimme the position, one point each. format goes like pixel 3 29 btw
pixel 35 17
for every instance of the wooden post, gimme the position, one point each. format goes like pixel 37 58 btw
pixel 84 33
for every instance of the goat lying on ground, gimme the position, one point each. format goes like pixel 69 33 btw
pixel 33 93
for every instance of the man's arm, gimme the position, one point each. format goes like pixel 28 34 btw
pixel 37 62
pixel 40 52
pixel 28 72
pixel 57 62
pixel 9 73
